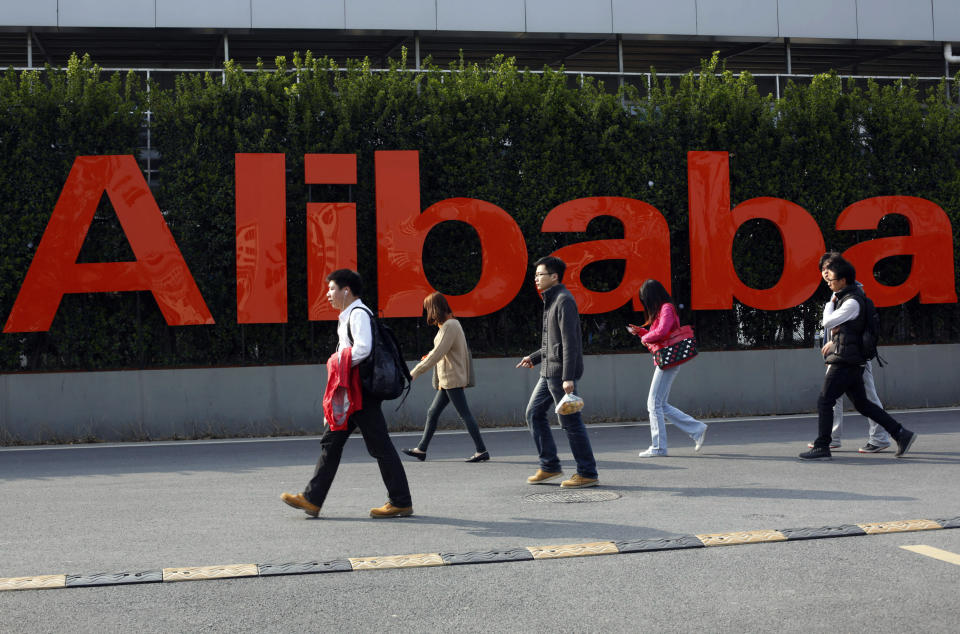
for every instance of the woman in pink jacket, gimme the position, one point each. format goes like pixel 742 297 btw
pixel 663 321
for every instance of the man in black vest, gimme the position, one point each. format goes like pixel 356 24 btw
pixel 843 354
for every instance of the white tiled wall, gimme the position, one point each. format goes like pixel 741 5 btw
pixel 923 20
pixel 655 16
pixel 489 15
pixel 298 14
pixel 894 19
pixel 117 13
pixel 737 17
pixel 818 18
pixel 34 13
pixel 404 15
pixel 204 14
pixel 569 16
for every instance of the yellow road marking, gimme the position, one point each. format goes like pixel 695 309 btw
pixel 936 553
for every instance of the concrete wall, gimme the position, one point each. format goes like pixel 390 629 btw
pixel 845 19
pixel 276 399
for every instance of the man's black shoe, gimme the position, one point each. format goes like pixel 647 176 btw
pixel 817 453
pixel 904 442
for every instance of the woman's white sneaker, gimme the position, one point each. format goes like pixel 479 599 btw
pixel 698 440
pixel 652 453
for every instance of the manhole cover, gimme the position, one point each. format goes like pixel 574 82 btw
pixel 568 497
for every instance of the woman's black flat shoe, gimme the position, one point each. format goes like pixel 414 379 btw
pixel 478 457
pixel 421 456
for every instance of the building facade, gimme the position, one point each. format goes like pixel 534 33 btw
pixel 859 37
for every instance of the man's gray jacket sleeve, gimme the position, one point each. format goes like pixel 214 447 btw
pixel 572 341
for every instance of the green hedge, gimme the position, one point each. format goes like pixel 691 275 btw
pixel 47 118
pixel 523 141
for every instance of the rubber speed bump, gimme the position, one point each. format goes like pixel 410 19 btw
pixel 114 578
pixel 210 572
pixel 742 537
pixel 573 550
pixel 525 553
pixel 953 522
pixel 487 557
pixel 648 545
pixel 906 526
pixel 39 582
pixel 823 532
pixel 397 561
pixel 272 570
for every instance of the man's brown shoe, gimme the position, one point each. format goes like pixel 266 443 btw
pixel 389 510
pixel 542 476
pixel 297 501
pixel 579 482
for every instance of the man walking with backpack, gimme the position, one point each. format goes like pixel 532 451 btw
pixel 878 439
pixel 356 331
pixel 845 358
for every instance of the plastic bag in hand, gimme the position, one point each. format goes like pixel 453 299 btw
pixel 569 404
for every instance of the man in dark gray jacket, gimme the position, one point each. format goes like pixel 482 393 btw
pixel 561 359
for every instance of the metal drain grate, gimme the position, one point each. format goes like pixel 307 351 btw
pixel 571 497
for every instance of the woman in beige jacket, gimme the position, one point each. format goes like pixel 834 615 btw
pixel 451 359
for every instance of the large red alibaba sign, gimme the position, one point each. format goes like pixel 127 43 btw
pixel 402 228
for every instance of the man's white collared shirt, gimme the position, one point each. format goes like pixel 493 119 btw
pixel 359 327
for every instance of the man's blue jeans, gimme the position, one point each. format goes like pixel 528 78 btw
pixel 546 395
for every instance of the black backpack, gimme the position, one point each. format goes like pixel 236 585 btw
pixel 384 374
pixel 871 330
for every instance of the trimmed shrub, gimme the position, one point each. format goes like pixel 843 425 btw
pixel 523 141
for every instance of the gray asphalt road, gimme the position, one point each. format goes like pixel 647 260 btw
pixel 94 509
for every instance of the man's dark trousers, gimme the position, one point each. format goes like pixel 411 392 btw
pixel 374 429
pixel 848 379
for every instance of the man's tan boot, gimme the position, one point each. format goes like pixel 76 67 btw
pixel 389 510
pixel 297 501
pixel 542 476
pixel 579 482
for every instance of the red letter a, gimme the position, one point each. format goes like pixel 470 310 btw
pixel 159 267
pixel 645 248
pixel 930 243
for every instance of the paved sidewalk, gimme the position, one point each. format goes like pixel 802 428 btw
pixel 127 508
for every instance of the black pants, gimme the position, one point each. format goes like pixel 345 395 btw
pixel 373 426
pixel 453 395
pixel 848 379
